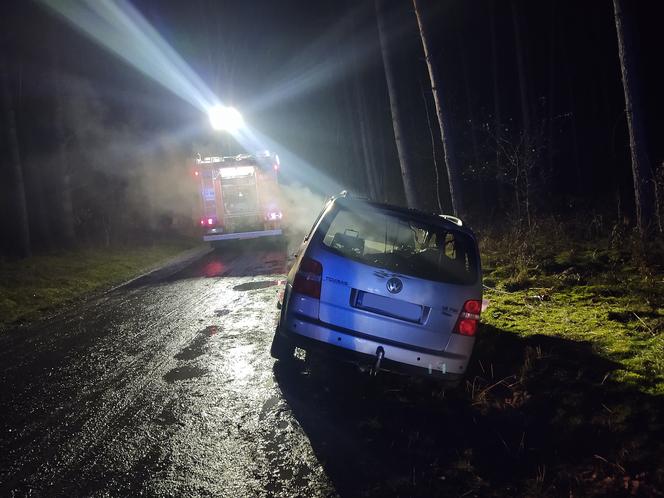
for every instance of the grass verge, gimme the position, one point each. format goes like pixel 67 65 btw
pixel 568 370
pixel 33 287
pixel 595 291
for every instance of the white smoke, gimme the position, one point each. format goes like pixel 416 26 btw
pixel 301 207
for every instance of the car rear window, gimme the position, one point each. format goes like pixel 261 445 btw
pixel 402 244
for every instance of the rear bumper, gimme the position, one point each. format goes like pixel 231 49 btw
pixel 242 235
pixel 342 344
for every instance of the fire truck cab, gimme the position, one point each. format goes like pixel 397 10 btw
pixel 239 196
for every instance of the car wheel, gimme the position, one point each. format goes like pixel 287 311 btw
pixel 282 348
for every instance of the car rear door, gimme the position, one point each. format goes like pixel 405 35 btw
pixel 375 303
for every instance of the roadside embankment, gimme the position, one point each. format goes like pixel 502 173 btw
pixel 35 287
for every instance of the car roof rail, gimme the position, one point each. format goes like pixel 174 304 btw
pixel 453 219
pixel 352 196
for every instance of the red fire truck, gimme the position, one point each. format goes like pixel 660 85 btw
pixel 239 196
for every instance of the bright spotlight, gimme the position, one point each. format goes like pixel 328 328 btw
pixel 225 118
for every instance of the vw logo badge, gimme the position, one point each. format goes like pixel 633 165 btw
pixel 394 285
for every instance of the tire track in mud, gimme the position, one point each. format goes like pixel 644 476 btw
pixel 288 463
pixel 126 398
pixel 149 369
pixel 64 450
pixel 225 425
pixel 285 463
pixel 129 430
pixel 104 406
pixel 243 436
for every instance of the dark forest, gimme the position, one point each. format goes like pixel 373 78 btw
pixel 530 91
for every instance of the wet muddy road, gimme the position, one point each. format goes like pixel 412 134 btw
pixel 163 388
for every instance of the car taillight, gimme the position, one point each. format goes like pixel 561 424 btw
pixel 308 278
pixel 469 318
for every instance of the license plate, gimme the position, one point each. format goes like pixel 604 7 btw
pixel 389 306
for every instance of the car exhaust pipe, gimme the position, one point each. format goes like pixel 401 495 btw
pixel 380 353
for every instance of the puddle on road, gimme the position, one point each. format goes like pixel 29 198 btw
pixel 282 424
pixel 195 347
pixel 166 417
pixel 261 284
pixel 194 350
pixel 184 373
pixel 269 404
pixel 210 330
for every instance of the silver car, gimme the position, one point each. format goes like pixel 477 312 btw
pixel 386 287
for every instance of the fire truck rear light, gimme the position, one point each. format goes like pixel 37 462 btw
pixel 210 221
pixel 308 278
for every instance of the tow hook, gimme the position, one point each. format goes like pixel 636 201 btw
pixel 380 353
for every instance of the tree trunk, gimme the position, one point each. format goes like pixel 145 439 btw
pixel 412 199
pixel 451 164
pixel 350 135
pixel 351 119
pixel 478 190
pixel 644 186
pixel 367 152
pixel 532 174
pixel 471 120
pixel 575 162
pixel 497 118
pixel 576 154
pixel 17 181
pixel 381 159
pixel 359 100
pixel 521 71
pixel 433 149
pixel 552 92
pixel 62 174
pixel 468 97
